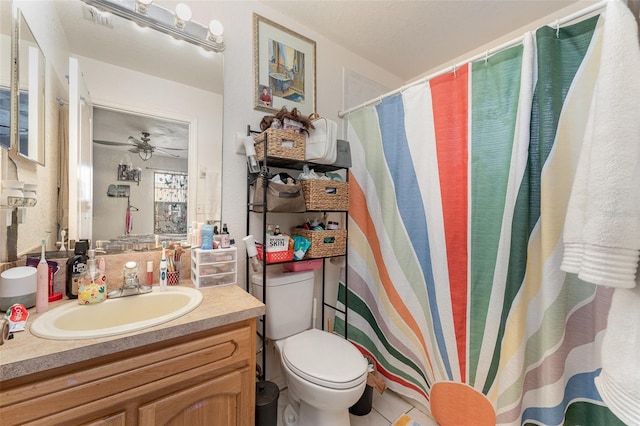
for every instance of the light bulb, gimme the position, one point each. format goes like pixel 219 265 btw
pixel 216 29
pixel 183 15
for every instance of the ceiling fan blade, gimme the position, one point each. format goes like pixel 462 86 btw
pixel 165 152
pixel 135 150
pixel 111 143
pixel 172 149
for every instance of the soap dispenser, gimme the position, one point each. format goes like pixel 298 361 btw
pixel 92 286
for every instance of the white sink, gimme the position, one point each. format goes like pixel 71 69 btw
pixel 116 316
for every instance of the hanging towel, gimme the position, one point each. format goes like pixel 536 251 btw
pixel 212 196
pixel 602 226
pixel 619 380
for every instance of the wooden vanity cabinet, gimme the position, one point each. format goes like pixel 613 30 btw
pixel 206 378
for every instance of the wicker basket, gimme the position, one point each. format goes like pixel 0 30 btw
pixel 325 195
pixel 323 243
pixel 280 144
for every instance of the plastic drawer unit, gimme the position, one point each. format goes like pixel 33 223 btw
pixel 214 267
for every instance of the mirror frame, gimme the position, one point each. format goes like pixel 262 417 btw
pixel 7 79
pixel 34 96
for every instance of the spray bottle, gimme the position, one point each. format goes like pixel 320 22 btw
pixel 163 268
pixel 42 287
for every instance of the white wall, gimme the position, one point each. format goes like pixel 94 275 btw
pixel 331 61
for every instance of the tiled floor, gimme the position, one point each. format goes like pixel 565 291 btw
pixel 387 407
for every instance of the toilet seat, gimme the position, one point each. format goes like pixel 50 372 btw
pixel 324 359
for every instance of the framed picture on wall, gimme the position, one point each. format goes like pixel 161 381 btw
pixel 284 65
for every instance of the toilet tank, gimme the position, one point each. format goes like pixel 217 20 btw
pixel 289 301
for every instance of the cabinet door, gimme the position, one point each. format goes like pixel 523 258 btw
pixel 215 402
pixel 114 420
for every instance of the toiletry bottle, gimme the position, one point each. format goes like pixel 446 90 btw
pixel 207 236
pixel 150 272
pixel 225 239
pixel 163 268
pixel 76 265
pixel 42 286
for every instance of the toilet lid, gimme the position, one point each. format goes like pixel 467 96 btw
pixel 324 359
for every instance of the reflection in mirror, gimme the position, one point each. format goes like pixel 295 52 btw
pixel 5 73
pixel 31 81
pixel 134 70
pixel 140 178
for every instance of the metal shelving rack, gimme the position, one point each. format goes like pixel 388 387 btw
pixel 251 181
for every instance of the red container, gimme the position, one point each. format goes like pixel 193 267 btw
pixel 275 256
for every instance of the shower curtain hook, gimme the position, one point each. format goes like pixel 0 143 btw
pixel 455 69
pixel 486 56
pixel 557 28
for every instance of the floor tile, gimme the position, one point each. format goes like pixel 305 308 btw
pixel 372 419
pixel 390 405
pixel 422 418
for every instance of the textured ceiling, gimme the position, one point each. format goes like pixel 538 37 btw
pixel 411 37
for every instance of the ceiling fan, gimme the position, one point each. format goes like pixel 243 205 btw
pixel 141 146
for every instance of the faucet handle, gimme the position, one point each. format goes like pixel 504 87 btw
pixel 130 273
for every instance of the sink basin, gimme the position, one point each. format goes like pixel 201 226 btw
pixel 116 316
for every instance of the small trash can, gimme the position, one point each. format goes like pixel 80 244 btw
pixel 364 404
pixel 267 394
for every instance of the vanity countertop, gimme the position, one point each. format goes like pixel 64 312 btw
pixel 27 354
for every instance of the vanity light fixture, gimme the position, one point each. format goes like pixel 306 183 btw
pixel 178 24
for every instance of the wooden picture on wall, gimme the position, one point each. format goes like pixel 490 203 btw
pixel 285 68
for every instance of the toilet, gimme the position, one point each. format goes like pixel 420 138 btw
pixel 325 373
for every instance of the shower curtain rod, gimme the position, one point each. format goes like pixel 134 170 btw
pixel 557 23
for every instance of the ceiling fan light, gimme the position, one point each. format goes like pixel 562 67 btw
pixel 145 155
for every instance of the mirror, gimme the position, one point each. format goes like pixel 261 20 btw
pixel 140 177
pixel 31 71
pixel 135 77
pixel 5 74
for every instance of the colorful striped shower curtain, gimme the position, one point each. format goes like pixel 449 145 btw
pixel 459 190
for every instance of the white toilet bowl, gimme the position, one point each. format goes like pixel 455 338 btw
pixel 325 374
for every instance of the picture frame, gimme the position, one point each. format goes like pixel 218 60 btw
pixel 284 67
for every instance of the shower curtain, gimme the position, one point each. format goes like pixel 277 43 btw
pixel 459 191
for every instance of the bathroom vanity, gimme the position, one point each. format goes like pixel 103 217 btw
pixel 198 369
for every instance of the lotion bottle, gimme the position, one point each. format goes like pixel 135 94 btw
pixel 42 286
pixel 225 238
pixel 207 237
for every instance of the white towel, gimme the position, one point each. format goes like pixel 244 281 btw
pixel 619 380
pixel 602 226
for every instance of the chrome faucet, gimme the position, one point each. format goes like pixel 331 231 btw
pixel 131 285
